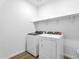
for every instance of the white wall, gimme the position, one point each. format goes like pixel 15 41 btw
pixel 58 8
pixel 14 22
pixel 69 26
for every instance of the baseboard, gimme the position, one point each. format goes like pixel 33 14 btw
pixel 70 56
pixel 14 54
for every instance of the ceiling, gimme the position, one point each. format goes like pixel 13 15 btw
pixel 38 2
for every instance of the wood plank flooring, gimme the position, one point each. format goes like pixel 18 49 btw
pixel 26 55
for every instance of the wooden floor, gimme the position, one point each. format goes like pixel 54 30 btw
pixel 25 55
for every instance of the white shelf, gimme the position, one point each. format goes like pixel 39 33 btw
pixel 58 18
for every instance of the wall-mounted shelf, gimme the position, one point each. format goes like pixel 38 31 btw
pixel 70 18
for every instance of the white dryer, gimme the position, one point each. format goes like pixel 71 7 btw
pixel 32 45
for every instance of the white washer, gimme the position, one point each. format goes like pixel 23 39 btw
pixel 51 46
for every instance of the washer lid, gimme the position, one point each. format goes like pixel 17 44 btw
pixel 51 36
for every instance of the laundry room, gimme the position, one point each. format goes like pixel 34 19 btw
pixel 39 29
